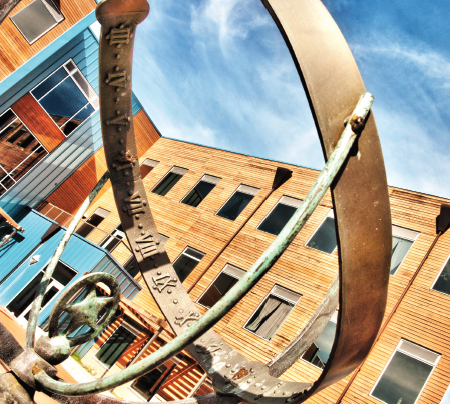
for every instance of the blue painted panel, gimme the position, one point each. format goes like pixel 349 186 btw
pixel 136 105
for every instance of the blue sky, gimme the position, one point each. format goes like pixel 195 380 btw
pixel 218 73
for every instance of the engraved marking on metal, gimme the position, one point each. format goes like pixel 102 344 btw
pixel 147 245
pixel 163 281
pixel 119 35
pixel 120 120
pixel 126 160
pixel 190 317
pixel 135 204
pixel 211 347
pixel 118 79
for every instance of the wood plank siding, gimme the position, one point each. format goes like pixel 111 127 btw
pixel 14 48
pixel 37 120
pixel 422 318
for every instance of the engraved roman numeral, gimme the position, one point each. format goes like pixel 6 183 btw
pixel 163 281
pixel 119 35
pixel 136 204
pixel 126 161
pixel 147 245
pixel 190 317
pixel 120 120
pixel 118 79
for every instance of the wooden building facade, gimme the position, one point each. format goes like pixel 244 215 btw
pixel 200 196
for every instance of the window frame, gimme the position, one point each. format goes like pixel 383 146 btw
pixel 165 176
pixel 237 190
pixel 283 203
pixel 223 270
pixel 94 102
pixel 129 328
pixel 190 256
pixel 333 319
pixel 153 164
pixel 265 299
pixel 44 32
pixel 397 232
pixel 91 225
pixel 329 214
pixel 438 276
pixel 26 158
pixel 397 349
pixel 198 182
pixel 112 236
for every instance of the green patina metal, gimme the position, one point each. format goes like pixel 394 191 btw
pixel 261 266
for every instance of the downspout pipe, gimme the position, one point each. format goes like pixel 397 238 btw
pixel 281 176
pixel 442 224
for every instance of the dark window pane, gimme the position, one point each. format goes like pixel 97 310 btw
pixel 64 101
pixel 25 297
pixel 63 274
pixel 115 346
pixel 50 82
pixel 400 248
pixel 194 253
pixel 221 285
pixel 131 267
pixel 78 119
pixel 325 238
pixel 268 318
pixel 443 282
pixel 183 266
pixel 319 352
pixel 277 219
pixel 110 244
pixel 402 380
pixel 235 205
pixel 145 383
pixel 198 193
pixel 86 228
pixel 6 119
pixel 167 183
pixel 33 20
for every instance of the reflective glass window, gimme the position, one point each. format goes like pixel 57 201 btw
pixel 200 191
pixel 442 283
pixel 324 239
pixel 169 181
pixel 115 346
pixel 186 262
pixel 237 202
pixel 275 221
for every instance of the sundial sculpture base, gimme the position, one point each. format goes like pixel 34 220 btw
pixel 354 171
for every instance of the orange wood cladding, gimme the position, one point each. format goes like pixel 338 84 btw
pixel 70 195
pixel 422 318
pixel 40 124
pixel 14 48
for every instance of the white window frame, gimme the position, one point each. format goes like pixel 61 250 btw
pixel 115 234
pixel 181 171
pixel 438 276
pixel 123 324
pixel 284 200
pixel 210 179
pixel 398 349
pixel 246 189
pixel 226 269
pixel 329 214
pixel 333 319
pixel 190 256
pixel 51 12
pixel 26 158
pixel 405 234
pixel 92 100
pixel 279 296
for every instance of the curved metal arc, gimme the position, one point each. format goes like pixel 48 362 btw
pixel 261 266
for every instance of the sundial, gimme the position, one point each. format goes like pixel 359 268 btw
pixel 354 171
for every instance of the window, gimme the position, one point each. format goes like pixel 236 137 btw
pixel 20 306
pixel 186 262
pixel 324 239
pixel 405 375
pixel 200 191
pixel 169 180
pixel 115 346
pixel 274 222
pixel 67 97
pixel 36 19
pixel 89 225
pixel 272 312
pixel 144 385
pixel 402 240
pixel 19 150
pixel 221 285
pixel 442 283
pixel 110 242
pixel 147 166
pixel 237 202
pixel 319 352
pixel 131 265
